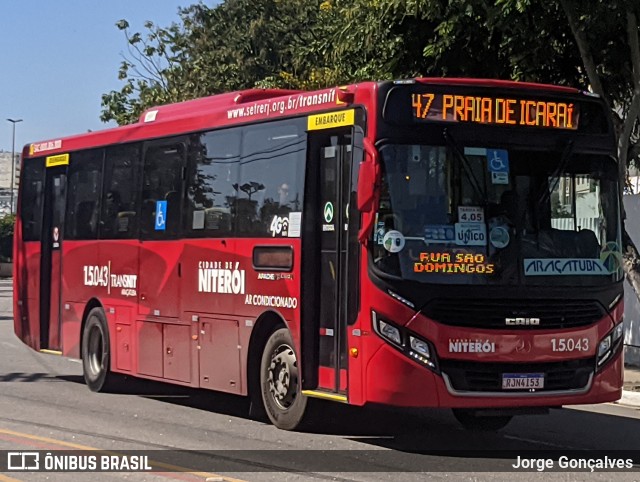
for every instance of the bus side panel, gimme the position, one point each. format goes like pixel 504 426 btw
pixel 106 271
pixel 160 272
pixel 208 287
pixel 121 259
pixel 269 290
pixel 219 278
pixel 205 263
pixel 220 356
pixel 275 290
pixel 74 295
pixel 71 327
pixel 27 292
pixel 165 344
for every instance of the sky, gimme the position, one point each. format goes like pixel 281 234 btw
pixel 57 58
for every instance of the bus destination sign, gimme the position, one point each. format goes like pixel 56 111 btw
pixel 494 110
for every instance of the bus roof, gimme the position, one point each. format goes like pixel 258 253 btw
pixel 214 102
pixel 498 84
pixel 220 110
pixel 239 107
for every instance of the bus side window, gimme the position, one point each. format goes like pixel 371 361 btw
pixel 162 183
pixel 85 179
pixel 119 218
pixel 271 184
pixel 213 173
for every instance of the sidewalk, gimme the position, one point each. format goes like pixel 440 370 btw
pixel 631 392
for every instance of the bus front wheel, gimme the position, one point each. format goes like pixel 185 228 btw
pixel 279 382
pixel 96 355
pixel 470 420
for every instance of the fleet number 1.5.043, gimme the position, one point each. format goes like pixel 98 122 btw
pixel 569 344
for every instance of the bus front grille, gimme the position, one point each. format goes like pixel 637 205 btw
pixel 530 313
pixel 473 376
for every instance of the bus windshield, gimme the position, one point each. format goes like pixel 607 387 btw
pixel 452 214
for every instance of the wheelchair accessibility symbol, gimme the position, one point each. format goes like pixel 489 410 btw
pixel 498 164
pixel 498 160
pixel 161 215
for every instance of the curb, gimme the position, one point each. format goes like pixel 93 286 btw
pixel 629 398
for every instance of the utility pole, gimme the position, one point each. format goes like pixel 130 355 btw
pixel 13 157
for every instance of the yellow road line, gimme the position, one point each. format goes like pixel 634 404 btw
pixel 170 467
pixel 4 478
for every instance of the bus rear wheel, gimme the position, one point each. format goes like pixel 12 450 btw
pixel 279 382
pixel 96 355
pixel 470 420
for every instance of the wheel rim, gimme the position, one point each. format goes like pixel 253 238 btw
pixel 96 352
pixel 283 376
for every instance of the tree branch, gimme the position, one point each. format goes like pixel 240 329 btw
pixel 634 46
pixel 631 262
pixel 625 136
pixel 583 47
pixel 154 72
pixel 634 107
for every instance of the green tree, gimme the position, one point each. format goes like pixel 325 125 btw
pixel 592 45
pixel 608 40
pixel 148 70
pixel 6 237
pixel 238 44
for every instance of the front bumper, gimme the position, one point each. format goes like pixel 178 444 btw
pixel 393 379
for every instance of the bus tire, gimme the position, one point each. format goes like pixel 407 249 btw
pixel 279 382
pixel 96 352
pixel 482 423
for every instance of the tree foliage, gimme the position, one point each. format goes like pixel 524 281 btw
pixel 238 44
pixel 306 44
pixel 7 223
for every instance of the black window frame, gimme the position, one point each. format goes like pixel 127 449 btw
pixel 107 177
pixel 159 235
pixel 193 161
pixel 37 229
pixel 248 156
pixel 76 163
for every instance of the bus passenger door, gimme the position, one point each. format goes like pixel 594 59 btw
pixel 325 259
pixel 51 258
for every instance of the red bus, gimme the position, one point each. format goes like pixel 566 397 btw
pixel 418 243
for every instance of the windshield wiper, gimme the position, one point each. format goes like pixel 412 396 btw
pixel 475 184
pixel 544 196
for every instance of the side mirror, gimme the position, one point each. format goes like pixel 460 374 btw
pixel 367 181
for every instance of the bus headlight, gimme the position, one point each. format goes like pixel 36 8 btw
pixel 604 347
pixel 420 351
pixel 389 332
pixel 609 345
pixel 420 346
pixel 617 332
pixel 417 349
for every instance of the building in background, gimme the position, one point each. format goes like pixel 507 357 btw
pixel 631 303
pixel 5 181
pixel 634 180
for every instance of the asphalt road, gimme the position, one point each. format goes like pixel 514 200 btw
pixel 44 405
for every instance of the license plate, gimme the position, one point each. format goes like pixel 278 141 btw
pixel 522 381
